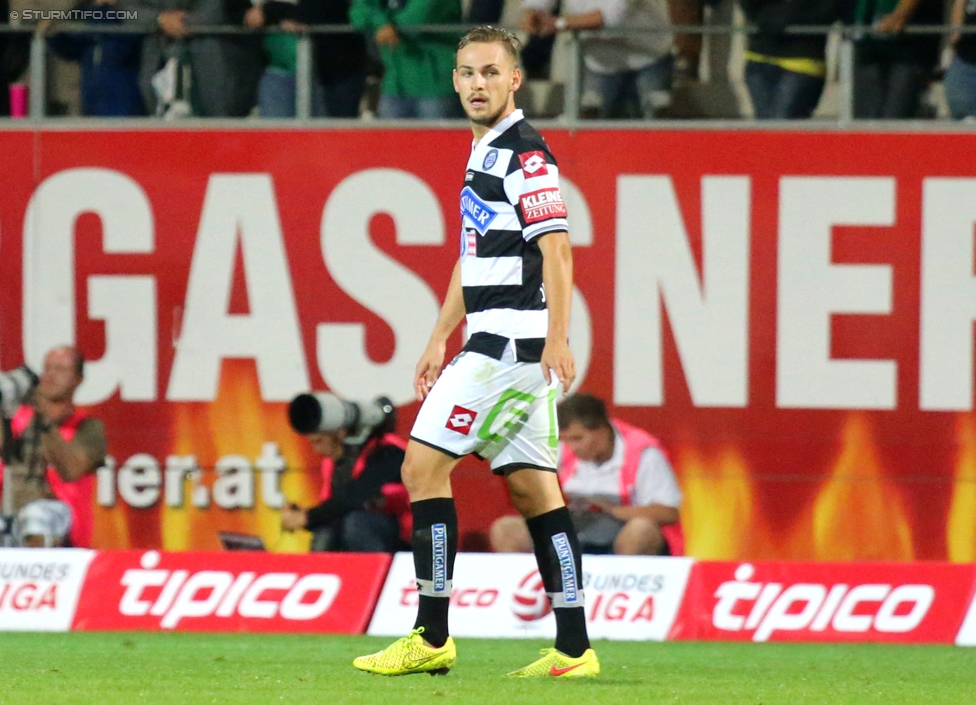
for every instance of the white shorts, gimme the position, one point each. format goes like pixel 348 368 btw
pixel 501 411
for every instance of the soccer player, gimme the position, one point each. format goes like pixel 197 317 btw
pixel 497 398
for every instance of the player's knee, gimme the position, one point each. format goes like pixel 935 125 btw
pixel 639 536
pixel 415 474
pixel 509 534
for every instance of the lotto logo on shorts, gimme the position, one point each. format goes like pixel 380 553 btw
pixel 533 164
pixel 542 205
pixel 461 420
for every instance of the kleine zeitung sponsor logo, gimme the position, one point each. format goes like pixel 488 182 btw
pixel 221 593
pixel 816 607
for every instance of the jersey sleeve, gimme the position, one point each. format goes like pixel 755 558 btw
pixel 532 187
pixel 655 482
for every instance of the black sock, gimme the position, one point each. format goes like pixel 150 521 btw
pixel 561 566
pixel 434 548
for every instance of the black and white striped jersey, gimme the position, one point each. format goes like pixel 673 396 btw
pixel 510 197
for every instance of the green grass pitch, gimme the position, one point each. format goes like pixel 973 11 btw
pixel 109 668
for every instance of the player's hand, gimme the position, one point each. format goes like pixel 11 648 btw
pixel 557 359
pixel 530 21
pixel 293 518
pixel 171 22
pixel 254 18
pixel 387 36
pixel 893 23
pixel 547 25
pixel 293 27
pixel 428 369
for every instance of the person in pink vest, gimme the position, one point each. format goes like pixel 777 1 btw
pixel 363 506
pixel 618 483
pixel 50 452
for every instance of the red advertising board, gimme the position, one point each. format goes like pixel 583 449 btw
pixel 789 312
pixel 231 592
pixel 825 602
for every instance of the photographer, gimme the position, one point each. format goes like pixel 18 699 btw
pixel 363 505
pixel 50 453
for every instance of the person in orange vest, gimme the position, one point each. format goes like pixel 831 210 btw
pixel 363 506
pixel 619 486
pixel 51 450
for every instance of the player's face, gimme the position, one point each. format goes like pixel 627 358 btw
pixel 486 78
pixel 588 444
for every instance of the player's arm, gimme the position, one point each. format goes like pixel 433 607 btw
pixel 75 459
pixel 557 278
pixel 657 496
pixel 367 16
pixel 451 314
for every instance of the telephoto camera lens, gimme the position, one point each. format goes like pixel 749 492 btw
pixel 321 412
pixel 14 386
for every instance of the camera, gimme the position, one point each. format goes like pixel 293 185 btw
pixel 14 387
pixel 322 412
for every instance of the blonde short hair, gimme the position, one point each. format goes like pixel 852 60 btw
pixel 486 34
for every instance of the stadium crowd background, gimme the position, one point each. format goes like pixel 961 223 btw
pixel 168 67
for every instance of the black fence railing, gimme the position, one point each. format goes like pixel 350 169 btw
pixel 847 36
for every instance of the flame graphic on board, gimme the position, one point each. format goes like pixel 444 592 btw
pixel 961 523
pixel 859 515
pixel 237 423
pixel 856 513
pixel 718 514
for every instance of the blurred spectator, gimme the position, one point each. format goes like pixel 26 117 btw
pixel 785 73
pixel 339 59
pixel 893 70
pixel 622 70
pixel 51 450
pixel 363 506
pixel 537 52
pixel 687 47
pixel 225 68
pixel 417 66
pixel 960 77
pixel 109 63
pixel 618 483
pixel 14 58
pixel 485 12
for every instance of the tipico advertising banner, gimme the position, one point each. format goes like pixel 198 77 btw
pixel 791 313
pixel 828 602
pixel 39 589
pixel 328 593
pixel 502 595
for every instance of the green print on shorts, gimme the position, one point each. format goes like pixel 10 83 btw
pixel 515 404
pixel 553 436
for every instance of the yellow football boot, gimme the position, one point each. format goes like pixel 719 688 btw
pixel 556 664
pixel 411 654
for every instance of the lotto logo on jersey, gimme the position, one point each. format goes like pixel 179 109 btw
pixel 533 164
pixel 461 420
pixel 543 204
pixel 476 210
